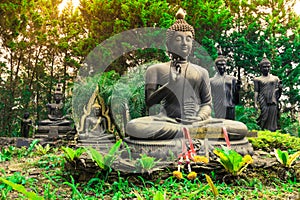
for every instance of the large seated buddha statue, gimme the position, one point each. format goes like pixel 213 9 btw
pixel 183 91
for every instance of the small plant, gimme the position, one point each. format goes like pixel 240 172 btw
pixel 75 192
pixel 71 155
pixel 105 162
pixel 6 153
pixel 284 158
pixel 146 163
pixel 40 150
pixel 31 147
pixel 232 161
pixel 49 161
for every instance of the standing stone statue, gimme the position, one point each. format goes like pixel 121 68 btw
pixel 25 125
pixel 267 91
pixel 225 90
pixel 183 90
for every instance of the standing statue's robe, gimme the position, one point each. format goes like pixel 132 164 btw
pixel 268 95
pixel 224 96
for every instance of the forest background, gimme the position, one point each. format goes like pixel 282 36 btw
pixel 41 45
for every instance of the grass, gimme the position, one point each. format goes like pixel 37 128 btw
pixel 44 172
pixel 53 184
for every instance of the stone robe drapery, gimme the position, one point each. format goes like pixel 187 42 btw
pixel 267 88
pixel 224 96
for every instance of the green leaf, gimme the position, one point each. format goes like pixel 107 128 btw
pixel 32 145
pixel 138 196
pixel 212 186
pixel 292 158
pixel 69 153
pixel 232 161
pixel 97 157
pixel 279 156
pixel 20 188
pixel 147 162
pixel 159 196
pixel 110 157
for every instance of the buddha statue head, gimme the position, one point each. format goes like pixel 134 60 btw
pixel 96 109
pixel 265 65
pixel 180 37
pixel 58 95
pixel 220 63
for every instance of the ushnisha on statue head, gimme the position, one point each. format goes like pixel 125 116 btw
pixel 180 37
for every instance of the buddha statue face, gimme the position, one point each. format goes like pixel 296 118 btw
pixel 97 111
pixel 221 66
pixel 57 97
pixel 265 68
pixel 26 115
pixel 181 44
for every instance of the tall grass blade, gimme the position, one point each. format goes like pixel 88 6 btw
pixel 214 189
pixel 21 189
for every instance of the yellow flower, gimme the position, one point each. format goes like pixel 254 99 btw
pixel 192 175
pixel 248 159
pixel 177 174
pixel 201 159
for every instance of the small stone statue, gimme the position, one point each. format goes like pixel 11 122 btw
pixel 57 125
pixel 267 91
pixel 25 125
pixel 55 110
pixel 225 90
pixel 183 90
pixel 95 125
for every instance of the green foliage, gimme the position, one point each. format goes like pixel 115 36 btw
pixel 72 155
pixel 97 157
pixel 112 154
pixel 289 125
pixel 248 116
pixel 17 178
pixel 6 153
pixel 49 161
pixel 145 163
pixel 105 162
pixel 21 189
pixel 284 158
pixel 107 84
pixel 82 90
pixel 268 141
pixel 75 192
pixel 127 90
pixel 31 147
pixel 159 196
pixel 40 150
pixel 232 161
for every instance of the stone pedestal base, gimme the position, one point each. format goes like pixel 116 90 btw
pixel 164 149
